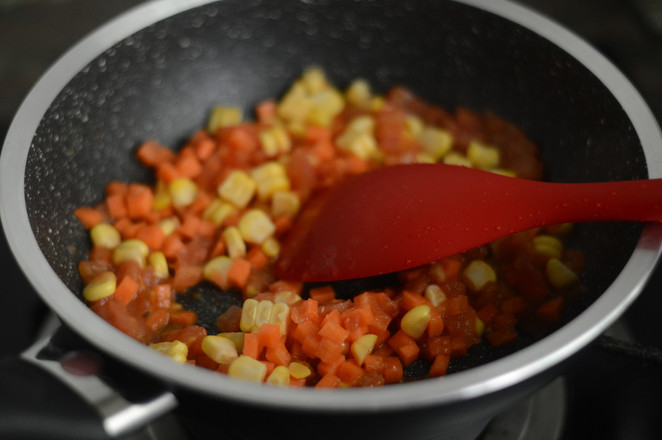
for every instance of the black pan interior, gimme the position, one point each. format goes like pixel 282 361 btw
pixel 161 82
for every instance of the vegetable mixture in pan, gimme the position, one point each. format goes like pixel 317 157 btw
pixel 221 206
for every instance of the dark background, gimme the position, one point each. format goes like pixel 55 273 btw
pixel 33 33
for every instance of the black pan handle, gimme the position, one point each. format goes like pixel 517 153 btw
pixel 61 390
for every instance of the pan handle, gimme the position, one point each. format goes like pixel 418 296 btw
pixel 59 389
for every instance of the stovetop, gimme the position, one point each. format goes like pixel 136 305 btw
pixel 606 394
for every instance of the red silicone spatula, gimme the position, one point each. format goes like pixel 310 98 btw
pixel 403 216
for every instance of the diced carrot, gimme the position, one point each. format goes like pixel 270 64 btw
pixel 116 205
pixel 451 267
pixel 410 300
pixel 327 350
pixel 117 188
pixel 166 172
pixel 328 381
pixel 392 370
pixel 183 317
pixel 373 363
pixel 501 337
pixel 435 346
pixel 436 324
pixel 487 313
pixel 251 345
pixel 257 258
pixel 516 305
pixel 228 321
pixel 89 217
pixel 219 248
pixel 304 329
pixel 278 354
pixel 139 200
pixel 457 305
pixel 404 346
pixel 439 365
pixel 161 296
pixel 239 272
pixel 268 335
pixel 324 368
pixel 458 346
pixel 172 246
pixel 305 310
pixel 157 319
pixel 187 335
pixel 310 345
pixel 334 332
pixel 152 235
pixel 185 277
pixel 286 286
pixel 322 294
pixel 204 148
pixel 126 290
pixel 349 372
pixel 187 164
pixel 151 153
pixel 282 223
pixel 265 111
pixel 551 310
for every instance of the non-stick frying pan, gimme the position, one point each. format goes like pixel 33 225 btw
pixel 156 71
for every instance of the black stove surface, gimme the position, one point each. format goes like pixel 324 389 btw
pixel 610 395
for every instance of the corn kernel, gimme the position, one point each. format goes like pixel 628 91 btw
pixel 559 230
pixel 176 350
pixel 103 234
pixel 247 368
pixel 326 104
pixel 262 314
pixel 168 226
pixel 458 159
pixel 158 262
pixel 480 327
pixel 183 191
pixel 237 339
pixel 414 126
pixel 434 294
pixel 162 198
pixel 363 346
pixel 220 349
pixel 274 141
pixel 131 250
pixel 416 320
pixel 218 211
pixel 436 141
pixel 358 137
pixel 280 376
pixel 425 158
pixel 559 275
pixel 376 103
pixel 314 80
pixel 299 370
pixel 483 156
pixel 286 297
pixel 223 117
pixel 478 274
pixel 238 188
pixel 248 315
pixel 295 104
pixel 279 315
pixel 358 93
pixel 102 286
pixel 270 178
pixel 285 203
pixel 216 271
pixel 271 247
pixel 548 246
pixel 503 172
pixel 234 242
pixel 255 226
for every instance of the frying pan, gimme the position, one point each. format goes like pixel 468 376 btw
pixel 156 71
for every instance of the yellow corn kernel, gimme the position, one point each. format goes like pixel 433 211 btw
pixel 414 126
pixel 168 225
pixel 220 349
pixel 271 247
pixel 279 315
pixel 314 80
pixel 234 242
pixel 176 350
pixel 480 327
pixel 436 141
pixel 559 275
pixel 274 141
pixel 416 320
pixel 478 274
pixel 434 294
pixel 483 156
pixel 285 203
pixel 246 368
pixel 162 198
pixel 102 286
pixel 216 271
pixel 237 339
pixel 363 346
pixel 358 138
pixel 255 226
pixel 425 158
pixel 280 376
pixel 503 172
pixel 263 313
pixel 238 188
pixel 132 249
pixel 248 315
pixel 183 191
pixel 158 262
pixel 358 93
pixel 223 117
pixel 270 178
pixel 105 235
pixel 453 158
pixel 559 230
pixel 298 370
pixel 376 103
pixel 286 297
pixel 218 211
pixel 326 104
pixel 295 104
pixel 548 246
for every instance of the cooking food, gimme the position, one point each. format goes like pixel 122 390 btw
pixel 222 205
